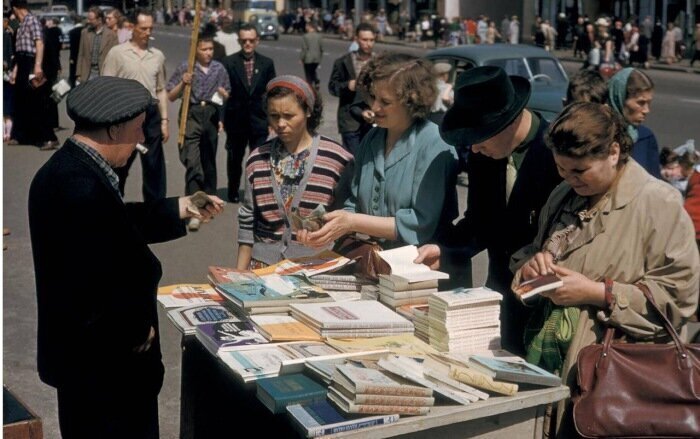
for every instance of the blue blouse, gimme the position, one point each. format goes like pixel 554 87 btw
pixel 415 184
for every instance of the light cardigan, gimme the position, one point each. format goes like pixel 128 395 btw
pixel 415 184
pixel 261 222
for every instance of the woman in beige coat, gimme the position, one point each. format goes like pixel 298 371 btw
pixel 607 228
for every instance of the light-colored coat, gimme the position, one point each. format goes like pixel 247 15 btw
pixel 642 234
pixel 109 40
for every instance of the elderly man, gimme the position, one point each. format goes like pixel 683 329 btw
pixel 96 40
pixel 96 278
pixel 137 60
pixel 511 174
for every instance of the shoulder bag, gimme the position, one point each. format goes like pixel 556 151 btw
pixel 365 253
pixel 638 390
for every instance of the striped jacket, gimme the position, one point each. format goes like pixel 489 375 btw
pixel 260 218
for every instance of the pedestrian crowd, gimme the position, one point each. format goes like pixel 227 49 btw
pixel 577 197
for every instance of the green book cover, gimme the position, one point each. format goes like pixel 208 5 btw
pixel 278 392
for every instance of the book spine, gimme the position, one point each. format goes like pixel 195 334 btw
pixel 416 401
pixel 381 409
pixel 392 390
pixel 353 425
pixel 481 381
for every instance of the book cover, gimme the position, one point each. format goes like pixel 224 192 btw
pixel 274 291
pixel 254 362
pixel 283 328
pixel 400 261
pixel 464 298
pixel 222 335
pixel 374 399
pixel 406 294
pixel 226 275
pixel 482 381
pixel 350 315
pixel 514 370
pixel 175 296
pixel 308 349
pixel 533 287
pixel 321 418
pixel 277 393
pixel 323 262
pixel 365 380
pixel 326 362
pixel 400 283
pixel 348 406
pixel 186 319
pixel 393 302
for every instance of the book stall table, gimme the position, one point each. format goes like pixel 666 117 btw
pixel 216 404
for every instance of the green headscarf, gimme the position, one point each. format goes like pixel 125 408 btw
pixel 617 95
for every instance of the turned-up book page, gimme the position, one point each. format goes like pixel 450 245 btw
pixel 400 261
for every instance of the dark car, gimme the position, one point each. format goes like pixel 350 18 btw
pixel 541 68
pixel 63 20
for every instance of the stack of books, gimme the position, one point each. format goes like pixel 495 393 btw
pixel 187 318
pixel 272 293
pixel 418 314
pixel 278 328
pixel 362 318
pixel 396 291
pixel 465 320
pixel 220 336
pixel 321 418
pixel 340 282
pixel 356 389
pixel 277 393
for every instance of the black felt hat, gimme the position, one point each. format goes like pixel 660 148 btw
pixel 106 101
pixel 487 100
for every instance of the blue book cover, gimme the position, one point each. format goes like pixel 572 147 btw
pixel 272 290
pixel 221 335
pixel 278 392
pixel 514 370
pixel 321 418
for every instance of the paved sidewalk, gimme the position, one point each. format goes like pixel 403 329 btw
pixel 563 55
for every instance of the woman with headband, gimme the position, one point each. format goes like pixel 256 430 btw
pixel 403 189
pixel 290 175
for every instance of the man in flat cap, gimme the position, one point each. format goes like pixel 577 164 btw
pixel 511 174
pixel 96 278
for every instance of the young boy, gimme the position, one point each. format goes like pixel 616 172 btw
pixel 210 87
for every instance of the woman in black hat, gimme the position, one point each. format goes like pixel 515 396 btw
pixel 404 184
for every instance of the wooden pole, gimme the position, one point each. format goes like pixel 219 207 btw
pixel 190 68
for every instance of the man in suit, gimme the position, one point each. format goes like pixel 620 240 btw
pixel 96 40
pixel 245 118
pixel 342 84
pixel 96 278
pixel 74 43
pixel 511 174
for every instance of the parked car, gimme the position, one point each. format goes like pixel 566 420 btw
pixel 267 24
pixel 544 71
pixel 63 20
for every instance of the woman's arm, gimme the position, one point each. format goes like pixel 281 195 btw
pixel 245 252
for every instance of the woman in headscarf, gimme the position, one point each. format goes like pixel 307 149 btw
pixel 630 92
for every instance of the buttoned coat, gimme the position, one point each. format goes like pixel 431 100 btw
pixel 84 60
pixel 641 235
pixel 245 110
pixel 96 278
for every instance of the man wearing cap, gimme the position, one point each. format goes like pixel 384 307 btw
pixel 135 59
pixel 96 278
pixel 511 174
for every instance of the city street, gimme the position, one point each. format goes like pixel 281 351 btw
pixel 674 119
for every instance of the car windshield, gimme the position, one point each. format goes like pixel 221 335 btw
pixel 545 68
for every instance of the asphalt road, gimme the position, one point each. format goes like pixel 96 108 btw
pixel 674 119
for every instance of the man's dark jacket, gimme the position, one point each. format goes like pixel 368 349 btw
pixel 245 111
pixel 96 278
pixel 344 72
pixel 490 224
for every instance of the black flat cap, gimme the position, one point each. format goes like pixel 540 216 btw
pixel 106 101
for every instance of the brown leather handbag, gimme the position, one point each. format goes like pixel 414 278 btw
pixel 638 390
pixel 365 253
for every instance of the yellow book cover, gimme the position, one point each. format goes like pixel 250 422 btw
pixel 284 328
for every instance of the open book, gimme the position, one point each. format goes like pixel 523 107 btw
pixel 400 261
pixel 537 285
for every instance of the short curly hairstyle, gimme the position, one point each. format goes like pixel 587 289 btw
pixel 315 114
pixel 410 76
pixel 588 129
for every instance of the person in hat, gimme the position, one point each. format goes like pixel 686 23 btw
pixel 511 173
pixel 96 278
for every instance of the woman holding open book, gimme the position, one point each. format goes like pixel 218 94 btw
pixel 288 177
pixel 607 231
pixel 404 184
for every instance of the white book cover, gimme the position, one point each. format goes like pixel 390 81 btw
pixel 252 363
pixel 400 261
pixel 176 296
pixel 465 297
pixel 349 315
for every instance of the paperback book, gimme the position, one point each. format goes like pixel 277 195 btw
pixel 365 380
pixel 399 283
pixel 220 336
pixel 250 363
pixel 348 406
pixel 359 314
pixel 277 393
pixel 515 370
pixel 187 318
pixel 283 328
pixel 400 261
pixel 321 418
pixel 533 287
pixel 175 296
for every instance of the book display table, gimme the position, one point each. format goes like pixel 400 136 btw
pixel 215 404
pixel 19 422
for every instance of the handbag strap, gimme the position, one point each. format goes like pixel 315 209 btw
pixel 684 359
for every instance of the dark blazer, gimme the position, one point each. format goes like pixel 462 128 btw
pixel 343 72
pixel 490 224
pixel 245 111
pixel 96 278
pixel 52 53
